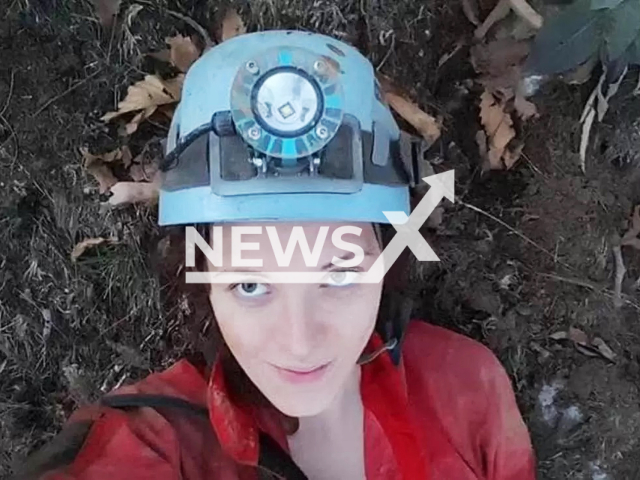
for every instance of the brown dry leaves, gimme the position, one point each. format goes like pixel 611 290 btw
pixel 592 348
pixel 499 64
pixel 144 98
pixel 183 52
pixel 150 96
pixel 143 170
pixel 631 237
pixel 495 142
pixel 427 125
pixel 99 166
pixel 232 26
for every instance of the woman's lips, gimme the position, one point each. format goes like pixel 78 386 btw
pixel 302 375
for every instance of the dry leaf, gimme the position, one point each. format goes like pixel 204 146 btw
pixel 574 334
pixel 97 166
pixel 135 122
pixel 125 193
pixel 525 108
pixel 147 94
pixel 84 245
pixel 559 336
pixel 106 11
pixel 604 349
pixel 232 25
pixel 498 126
pixel 183 52
pixel 582 344
pixel 578 336
pixel 586 350
pixel 424 123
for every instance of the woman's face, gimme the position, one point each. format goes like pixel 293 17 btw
pixel 297 342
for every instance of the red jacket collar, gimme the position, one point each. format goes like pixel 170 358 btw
pixel 384 395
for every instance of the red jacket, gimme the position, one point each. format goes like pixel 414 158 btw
pixel 446 413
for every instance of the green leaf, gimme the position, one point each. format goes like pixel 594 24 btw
pixel 566 40
pixel 602 4
pixel 634 52
pixel 622 27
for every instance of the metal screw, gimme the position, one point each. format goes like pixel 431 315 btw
pixel 252 67
pixel 322 132
pixel 254 133
pixel 320 66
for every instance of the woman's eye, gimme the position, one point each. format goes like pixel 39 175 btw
pixel 250 289
pixel 341 278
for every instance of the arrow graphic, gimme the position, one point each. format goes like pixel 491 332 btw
pixel 407 235
pixel 408 228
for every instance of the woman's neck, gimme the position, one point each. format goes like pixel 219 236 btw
pixel 331 444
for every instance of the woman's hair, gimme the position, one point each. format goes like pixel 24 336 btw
pixel 192 300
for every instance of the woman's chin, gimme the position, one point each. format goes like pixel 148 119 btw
pixel 300 406
pixel 301 400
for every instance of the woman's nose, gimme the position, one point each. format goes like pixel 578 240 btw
pixel 300 330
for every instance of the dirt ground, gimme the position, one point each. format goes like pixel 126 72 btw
pixel 71 331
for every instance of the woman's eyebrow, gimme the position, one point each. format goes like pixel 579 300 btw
pixel 347 256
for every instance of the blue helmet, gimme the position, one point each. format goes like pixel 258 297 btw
pixel 284 126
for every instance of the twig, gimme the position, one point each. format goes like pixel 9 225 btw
pixel 113 34
pixel 597 104
pixel 195 25
pixel 592 286
pixel 386 57
pixel 519 234
pixel 69 90
pixel 621 271
pixel 12 134
pixel 574 281
pixel 6 104
pixel 587 118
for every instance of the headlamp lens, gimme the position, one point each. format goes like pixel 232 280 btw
pixel 287 102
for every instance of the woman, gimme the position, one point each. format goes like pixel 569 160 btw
pixel 312 369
